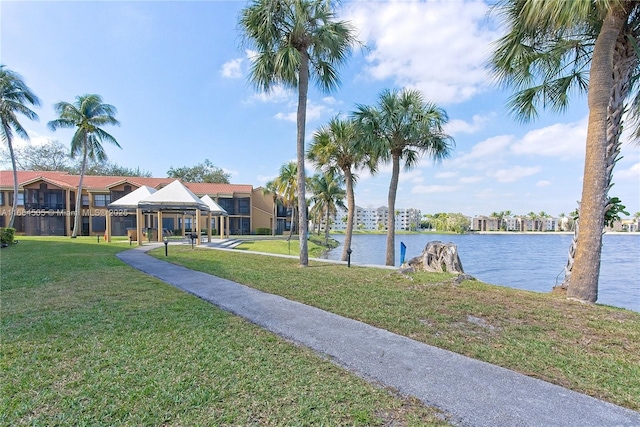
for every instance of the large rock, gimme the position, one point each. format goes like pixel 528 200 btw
pixel 437 257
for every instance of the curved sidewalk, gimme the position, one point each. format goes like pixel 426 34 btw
pixel 471 392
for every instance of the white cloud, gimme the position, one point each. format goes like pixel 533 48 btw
pixel 412 177
pixel 277 94
pixel 314 112
pixel 561 140
pixel 330 100
pixel 632 173
pixel 34 139
pixel 263 179
pixel 444 175
pixel 427 189
pixel 458 126
pixel 513 174
pixel 232 69
pixel 439 47
pixel 543 183
pixel 231 172
pixel 470 179
pixel 489 151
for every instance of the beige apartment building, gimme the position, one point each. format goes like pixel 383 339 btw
pixel 47 205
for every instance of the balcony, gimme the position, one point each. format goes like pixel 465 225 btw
pixel 44 206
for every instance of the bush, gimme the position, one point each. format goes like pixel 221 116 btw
pixel 6 235
pixel 264 231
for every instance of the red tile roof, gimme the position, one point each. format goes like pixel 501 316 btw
pixel 94 182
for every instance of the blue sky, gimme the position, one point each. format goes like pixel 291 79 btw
pixel 177 73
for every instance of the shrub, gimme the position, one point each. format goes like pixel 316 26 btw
pixel 264 231
pixel 6 235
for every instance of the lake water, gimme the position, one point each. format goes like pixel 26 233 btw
pixel 525 261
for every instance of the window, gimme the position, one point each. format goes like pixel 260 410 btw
pixel 1 198
pixel 85 200
pixel 20 198
pixel 98 223
pixel 101 200
pixel 244 205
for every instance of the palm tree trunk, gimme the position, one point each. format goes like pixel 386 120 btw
pixel 326 227
pixel 303 87
pixel 391 218
pixel 275 216
pixel 583 283
pixel 76 222
pixel 293 221
pixel 624 61
pixel 351 209
pixel 14 205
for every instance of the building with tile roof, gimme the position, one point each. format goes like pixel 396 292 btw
pixel 46 204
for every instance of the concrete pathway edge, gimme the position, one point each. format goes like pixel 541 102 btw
pixel 471 392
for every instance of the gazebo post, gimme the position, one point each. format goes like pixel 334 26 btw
pixel 210 217
pixel 160 228
pixel 198 219
pixel 107 236
pixel 139 219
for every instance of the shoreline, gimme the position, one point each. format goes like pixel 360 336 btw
pixel 546 233
pixel 552 233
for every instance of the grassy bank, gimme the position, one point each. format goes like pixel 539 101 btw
pixel 284 246
pixel 589 348
pixel 87 340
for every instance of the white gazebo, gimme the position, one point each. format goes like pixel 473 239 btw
pixel 174 197
pixel 127 203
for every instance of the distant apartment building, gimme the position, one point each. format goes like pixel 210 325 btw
pixel 629 225
pixel 525 223
pixel 513 223
pixel 371 218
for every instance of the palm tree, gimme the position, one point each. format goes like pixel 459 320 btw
pixel 402 127
pixel 334 148
pixel 553 49
pixel 328 194
pixel 87 114
pixel 286 184
pixel 15 97
pixel 533 217
pixel 270 188
pixel 293 37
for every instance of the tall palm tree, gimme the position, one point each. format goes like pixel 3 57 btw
pixel 328 194
pixel 292 38
pixel 87 114
pixel 15 97
pixel 553 49
pixel 402 127
pixel 286 185
pixel 335 149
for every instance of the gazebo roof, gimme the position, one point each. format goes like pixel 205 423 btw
pixel 214 208
pixel 130 201
pixel 174 196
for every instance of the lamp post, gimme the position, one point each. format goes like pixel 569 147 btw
pixel 166 246
pixel 130 239
pixel 349 257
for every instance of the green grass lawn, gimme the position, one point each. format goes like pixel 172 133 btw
pixel 592 349
pixel 282 246
pixel 89 341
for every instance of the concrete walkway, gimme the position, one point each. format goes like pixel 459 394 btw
pixel 471 392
